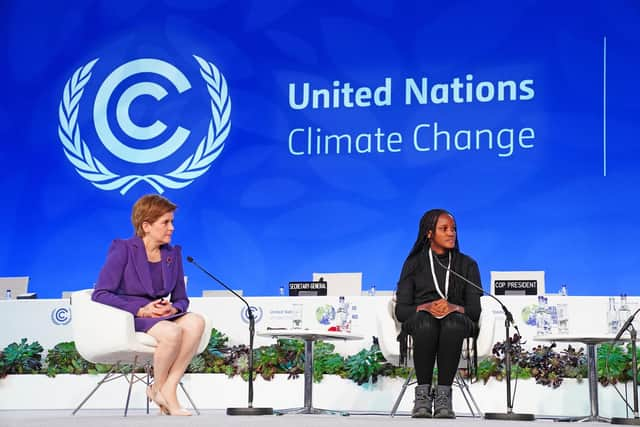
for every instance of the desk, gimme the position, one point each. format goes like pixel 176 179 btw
pixel 309 337
pixel 591 342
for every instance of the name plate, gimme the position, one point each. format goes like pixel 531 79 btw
pixel 517 282
pixel 308 288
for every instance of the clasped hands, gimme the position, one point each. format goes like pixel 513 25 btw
pixel 440 308
pixel 158 308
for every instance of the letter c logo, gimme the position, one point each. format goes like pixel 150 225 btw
pixel 123 105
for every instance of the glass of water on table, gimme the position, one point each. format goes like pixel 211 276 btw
pixel 296 316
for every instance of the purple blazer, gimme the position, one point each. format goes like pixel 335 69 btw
pixel 125 280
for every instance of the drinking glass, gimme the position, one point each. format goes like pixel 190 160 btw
pixel 563 318
pixel 296 316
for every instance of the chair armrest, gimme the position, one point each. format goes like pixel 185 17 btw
pixel 486 336
pixel 388 329
pixel 206 333
pixel 100 331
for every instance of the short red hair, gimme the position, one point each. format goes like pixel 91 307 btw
pixel 149 208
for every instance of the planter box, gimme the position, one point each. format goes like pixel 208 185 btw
pixel 217 391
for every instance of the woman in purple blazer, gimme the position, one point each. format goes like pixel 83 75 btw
pixel 138 276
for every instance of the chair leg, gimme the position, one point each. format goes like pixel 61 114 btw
pixel 467 395
pixel 106 378
pixel 406 384
pixel 193 405
pixel 147 369
pixel 131 381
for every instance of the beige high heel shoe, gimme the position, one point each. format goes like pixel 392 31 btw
pixel 164 407
pixel 153 397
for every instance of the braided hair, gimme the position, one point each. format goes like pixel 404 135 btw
pixel 427 223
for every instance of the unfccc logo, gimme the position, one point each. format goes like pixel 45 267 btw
pixel 257 314
pixel 61 316
pixel 93 170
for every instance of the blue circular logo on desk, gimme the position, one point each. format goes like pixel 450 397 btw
pixel 257 314
pixel 61 316
pixel 325 314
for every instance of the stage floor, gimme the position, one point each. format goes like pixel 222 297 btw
pixel 99 418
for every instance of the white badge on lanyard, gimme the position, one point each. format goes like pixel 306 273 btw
pixel 435 280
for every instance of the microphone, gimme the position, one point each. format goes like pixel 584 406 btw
pixel 250 410
pixel 193 261
pixel 460 276
pixel 626 325
pixel 509 415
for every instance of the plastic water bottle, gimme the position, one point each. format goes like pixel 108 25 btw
pixel 612 317
pixel 281 291
pixel 372 290
pixel 624 312
pixel 563 290
pixel 548 316
pixel 539 319
pixel 342 314
pixel 543 317
pixel 7 294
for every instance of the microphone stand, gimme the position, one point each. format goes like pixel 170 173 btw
pixel 249 410
pixel 634 369
pixel 509 415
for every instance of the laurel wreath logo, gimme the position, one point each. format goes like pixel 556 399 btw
pixel 91 169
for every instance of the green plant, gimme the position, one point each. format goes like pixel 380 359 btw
pixel 266 361
pixel 490 367
pixel 63 358
pixel 101 368
pixel 575 363
pixel 544 363
pixel 198 365
pixel 325 361
pixel 22 358
pixel 365 365
pixel 291 356
pixel 217 341
pixel 3 367
pixel 613 364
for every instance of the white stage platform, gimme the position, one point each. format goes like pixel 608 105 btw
pixel 48 321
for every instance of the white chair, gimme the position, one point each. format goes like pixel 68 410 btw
pixel 106 335
pixel 388 330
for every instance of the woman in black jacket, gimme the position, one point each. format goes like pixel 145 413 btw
pixel 437 309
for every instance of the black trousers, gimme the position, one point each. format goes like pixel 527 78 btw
pixel 439 339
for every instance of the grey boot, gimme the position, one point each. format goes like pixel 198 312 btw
pixel 442 406
pixel 423 404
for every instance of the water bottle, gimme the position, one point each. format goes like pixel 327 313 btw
pixel 281 291
pixel 612 317
pixel 563 290
pixel 547 316
pixel 540 315
pixel 8 294
pixel 342 314
pixel 624 312
pixel 372 290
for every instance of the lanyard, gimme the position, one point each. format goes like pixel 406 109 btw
pixel 435 279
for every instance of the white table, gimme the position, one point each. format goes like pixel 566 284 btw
pixel 591 341
pixel 309 337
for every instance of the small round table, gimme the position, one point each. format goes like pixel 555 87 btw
pixel 591 341
pixel 309 337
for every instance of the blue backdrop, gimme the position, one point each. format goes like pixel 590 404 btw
pixel 301 136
